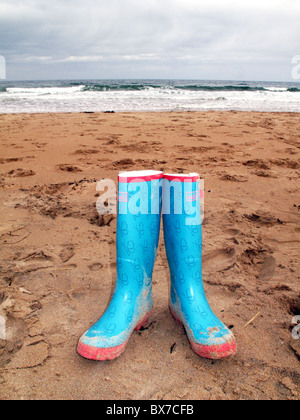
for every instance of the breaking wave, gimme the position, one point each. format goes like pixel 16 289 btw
pixel 147 95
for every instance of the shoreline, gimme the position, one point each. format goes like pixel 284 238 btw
pixel 151 112
pixel 149 96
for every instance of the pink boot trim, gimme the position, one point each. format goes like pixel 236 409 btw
pixel 215 352
pixel 95 353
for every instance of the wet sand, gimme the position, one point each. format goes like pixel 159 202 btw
pixel 57 257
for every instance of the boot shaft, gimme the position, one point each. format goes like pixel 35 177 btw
pixel 182 228
pixel 138 225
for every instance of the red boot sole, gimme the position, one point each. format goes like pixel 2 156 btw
pixel 216 352
pixel 109 353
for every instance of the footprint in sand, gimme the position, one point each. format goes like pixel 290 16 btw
pixel 219 259
pixel 67 253
pixel 233 178
pixel 256 163
pixel 95 267
pixel 263 218
pixel 24 346
pixel 287 163
pixel 14 329
pixel 36 256
pixel 33 262
pixel 124 163
pixel 20 173
pixel 294 305
pixel 86 152
pixel 9 160
pixel 267 268
pixel 68 168
pixel 232 232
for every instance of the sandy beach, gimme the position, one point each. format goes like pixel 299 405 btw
pixel 58 257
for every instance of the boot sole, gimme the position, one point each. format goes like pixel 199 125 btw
pixel 216 352
pixel 109 353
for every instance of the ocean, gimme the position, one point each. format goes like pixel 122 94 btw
pixel 147 95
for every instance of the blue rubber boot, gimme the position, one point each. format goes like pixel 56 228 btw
pixel 208 336
pixel 138 225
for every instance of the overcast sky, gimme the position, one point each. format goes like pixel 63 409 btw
pixel 181 39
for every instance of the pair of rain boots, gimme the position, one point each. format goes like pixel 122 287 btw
pixel 142 197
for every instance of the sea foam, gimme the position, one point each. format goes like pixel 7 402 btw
pixel 147 95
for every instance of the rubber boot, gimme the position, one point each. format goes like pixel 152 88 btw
pixel 208 336
pixel 138 225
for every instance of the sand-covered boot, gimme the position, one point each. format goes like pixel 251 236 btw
pixel 208 336
pixel 138 225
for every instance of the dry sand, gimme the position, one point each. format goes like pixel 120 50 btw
pixel 57 260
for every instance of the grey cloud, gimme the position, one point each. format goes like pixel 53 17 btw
pixel 149 38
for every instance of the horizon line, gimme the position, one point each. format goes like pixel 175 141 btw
pixel 147 79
